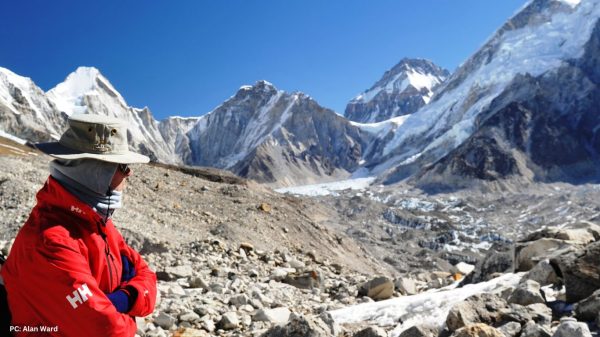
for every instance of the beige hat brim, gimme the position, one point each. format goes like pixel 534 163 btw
pixel 56 150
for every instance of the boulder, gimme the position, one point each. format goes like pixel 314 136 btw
pixel 372 331
pixel 406 286
pixel 528 254
pixel 239 300
pixel 477 330
pixel 229 321
pixel 164 320
pixel 190 332
pixel 420 331
pixel 158 332
pixel 307 280
pixel 198 282
pixel 207 324
pixel 499 259
pixel 588 309
pixel 532 329
pixel 569 327
pixel 577 235
pixel 278 274
pixel 570 232
pixel 538 313
pixel 275 315
pixel 189 317
pixel 379 288
pixel 334 327
pixel 527 292
pixel 464 268
pixel 580 272
pixel 543 273
pixel 246 246
pixel 299 325
pixel 510 329
pixel 180 271
pixel 482 308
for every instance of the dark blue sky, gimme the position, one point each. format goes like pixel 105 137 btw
pixel 186 57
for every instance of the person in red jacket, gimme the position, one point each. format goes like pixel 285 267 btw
pixel 69 271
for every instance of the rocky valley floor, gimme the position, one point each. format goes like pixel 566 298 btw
pixel 237 259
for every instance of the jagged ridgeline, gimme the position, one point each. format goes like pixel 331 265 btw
pixel 522 108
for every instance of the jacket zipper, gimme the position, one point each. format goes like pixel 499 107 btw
pixel 108 255
pixel 108 258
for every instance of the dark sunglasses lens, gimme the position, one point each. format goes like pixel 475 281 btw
pixel 124 168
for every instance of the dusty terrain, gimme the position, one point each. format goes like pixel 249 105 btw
pixel 232 255
pixel 173 207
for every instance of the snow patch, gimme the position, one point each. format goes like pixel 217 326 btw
pixel 13 138
pixel 429 308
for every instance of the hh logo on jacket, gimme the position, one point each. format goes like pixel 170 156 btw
pixel 79 296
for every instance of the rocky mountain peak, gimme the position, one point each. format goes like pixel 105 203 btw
pixel 262 87
pixel 411 65
pixel 69 95
pixel 402 90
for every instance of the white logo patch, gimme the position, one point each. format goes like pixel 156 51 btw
pixel 80 295
pixel 76 209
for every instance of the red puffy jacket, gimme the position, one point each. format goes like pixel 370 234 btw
pixel 62 263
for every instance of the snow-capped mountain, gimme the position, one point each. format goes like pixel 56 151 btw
pixel 25 111
pixel 540 59
pixel 260 133
pixel 401 91
pixel 87 91
pixel 273 136
pixel 524 105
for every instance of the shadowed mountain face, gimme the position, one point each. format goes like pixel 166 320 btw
pixel 524 106
pixel 401 91
pixel 541 128
pixel 259 133
pixel 273 136
pixel 513 110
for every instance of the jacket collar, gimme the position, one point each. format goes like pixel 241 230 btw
pixel 54 196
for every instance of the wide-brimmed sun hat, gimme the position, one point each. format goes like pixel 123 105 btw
pixel 96 137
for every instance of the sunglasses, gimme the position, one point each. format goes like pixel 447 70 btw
pixel 124 168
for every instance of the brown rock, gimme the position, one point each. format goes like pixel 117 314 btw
pixel 478 330
pixel 307 280
pixel 371 332
pixel 380 288
pixel 580 272
pixel 528 254
pixel 481 308
pixel 189 332
pixel 420 331
pixel 246 246
pixel 265 207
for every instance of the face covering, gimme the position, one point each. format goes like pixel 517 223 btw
pixel 89 180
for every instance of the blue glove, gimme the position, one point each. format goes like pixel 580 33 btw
pixel 128 269
pixel 121 299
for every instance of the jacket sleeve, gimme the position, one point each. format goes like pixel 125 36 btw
pixel 65 292
pixel 144 282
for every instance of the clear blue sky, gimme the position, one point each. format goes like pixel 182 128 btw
pixel 187 57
